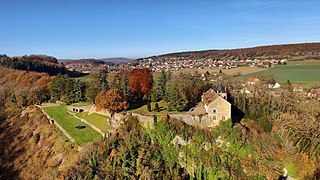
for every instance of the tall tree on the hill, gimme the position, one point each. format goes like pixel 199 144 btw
pixel 58 86
pixel 176 101
pixel 120 81
pixel 70 94
pixel 91 91
pixel 140 81
pixel 191 86
pixel 98 84
pixel 78 90
pixel 124 86
pixel 67 89
pixel 161 84
pixel 116 81
pixel 102 77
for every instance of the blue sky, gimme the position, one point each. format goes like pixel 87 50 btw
pixel 139 28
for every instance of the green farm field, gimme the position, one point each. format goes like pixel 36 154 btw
pixel 68 122
pixel 298 72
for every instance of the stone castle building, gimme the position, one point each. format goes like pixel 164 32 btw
pixel 216 105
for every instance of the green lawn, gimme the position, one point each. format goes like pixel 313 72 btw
pixel 162 107
pixel 98 120
pixel 305 62
pixel 298 72
pixel 68 122
pixel 297 57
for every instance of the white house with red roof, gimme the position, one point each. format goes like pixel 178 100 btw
pixel 253 81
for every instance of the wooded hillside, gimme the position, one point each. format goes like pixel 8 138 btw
pixel 36 63
pixel 21 88
pixel 307 50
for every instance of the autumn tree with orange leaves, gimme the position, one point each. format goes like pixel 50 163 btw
pixel 111 100
pixel 140 81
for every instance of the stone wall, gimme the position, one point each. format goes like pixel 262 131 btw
pixel 116 119
pixel 78 109
pixel 201 120
pixel 93 109
pixel 145 120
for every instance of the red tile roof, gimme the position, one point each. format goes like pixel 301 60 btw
pixel 253 80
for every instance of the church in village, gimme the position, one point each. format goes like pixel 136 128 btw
pixel 216 105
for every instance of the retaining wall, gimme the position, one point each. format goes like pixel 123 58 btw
pixel 78 109
pixel 201 121
pixel 91 125
pixel 52 121
pixel 145 120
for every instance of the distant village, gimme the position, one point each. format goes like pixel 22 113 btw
pixel 158 64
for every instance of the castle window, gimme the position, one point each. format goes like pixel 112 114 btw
pixel 214 111
pixel 223 118
pixel 214 117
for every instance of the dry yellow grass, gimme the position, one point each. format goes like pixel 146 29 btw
pixel 33 148
pixel 233 71
pixel 243 70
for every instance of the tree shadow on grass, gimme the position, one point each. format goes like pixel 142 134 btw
pixel 162 109
pixel 136 105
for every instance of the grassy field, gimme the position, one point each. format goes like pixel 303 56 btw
pixel 68 122
pixel 98 120
pixel 162 109
pixel 306 62
pixel 298 72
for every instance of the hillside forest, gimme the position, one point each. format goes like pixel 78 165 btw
pixel 285 51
